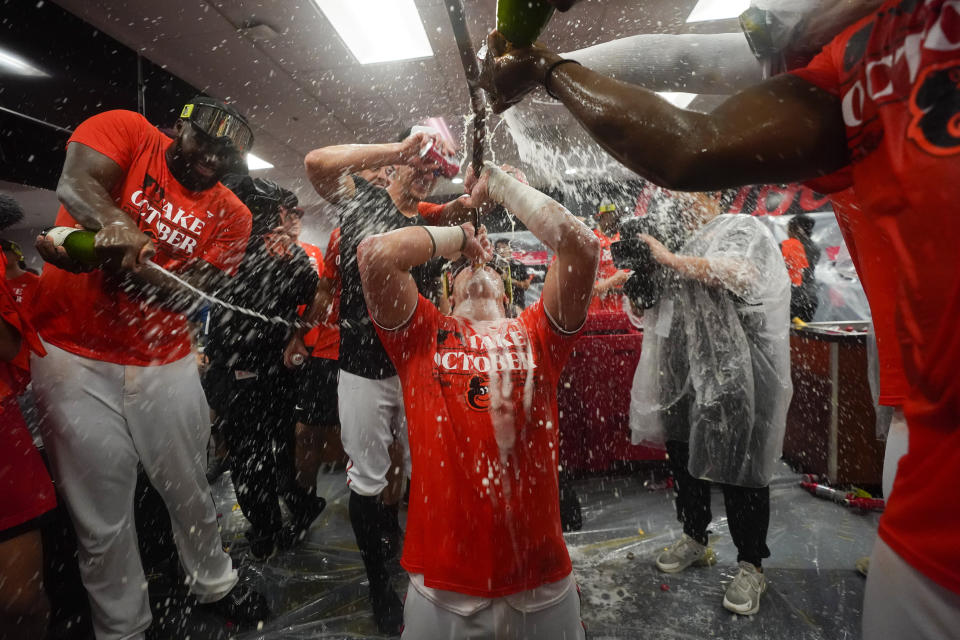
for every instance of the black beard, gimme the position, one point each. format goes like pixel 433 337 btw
pixel 180 168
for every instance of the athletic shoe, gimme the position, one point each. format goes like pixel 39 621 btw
pixel 387 609
pixel 293 533
pixel 242 606
pixel 743 594
pixel 683 553
pixel 262 548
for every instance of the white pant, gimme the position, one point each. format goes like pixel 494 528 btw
pixel 424 620
pixel 98 419
pixel 371 416
pixel 902 604
pixel 898 440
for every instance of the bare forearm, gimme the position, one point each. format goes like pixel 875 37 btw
pixel 329 168
pixel 319 308
pixel 731 274
pixel 744 141
pixel 89 203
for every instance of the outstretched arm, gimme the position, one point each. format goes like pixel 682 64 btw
pixel 385 261
pixel 782 130
pixel 329 168
pixel 569 282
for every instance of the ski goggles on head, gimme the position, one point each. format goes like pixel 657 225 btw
pixel 219 124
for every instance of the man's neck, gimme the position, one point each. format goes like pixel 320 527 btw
pixel 479 309
pixel 402 200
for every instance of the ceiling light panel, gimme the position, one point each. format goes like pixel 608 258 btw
pixel 677 98
pixel 255 162
pixel 378 30
pixel 12 63
pixel 717 10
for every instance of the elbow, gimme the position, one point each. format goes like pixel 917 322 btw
pixel 316 164
pixel 371 257
pixel 577 239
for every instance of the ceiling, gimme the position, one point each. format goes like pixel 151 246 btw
pixel 303 89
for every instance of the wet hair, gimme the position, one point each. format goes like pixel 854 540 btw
pixel 500 242
pixel 10 211
pixel 405 134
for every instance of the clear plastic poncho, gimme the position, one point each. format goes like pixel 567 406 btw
pixel 728 349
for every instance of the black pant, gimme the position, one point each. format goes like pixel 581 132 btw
pixel 259 427
pixel 748 510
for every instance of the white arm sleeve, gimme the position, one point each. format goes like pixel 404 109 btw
pixel 538 211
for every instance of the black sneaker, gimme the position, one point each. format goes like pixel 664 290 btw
pixel 262 548
pixel 242 606
pixel 387 610
pixel 294 533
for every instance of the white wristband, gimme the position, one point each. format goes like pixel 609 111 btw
pixel 447 241
pixel 541 214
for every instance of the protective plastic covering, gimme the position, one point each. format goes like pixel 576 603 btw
pixel 725 349
pixel 319 591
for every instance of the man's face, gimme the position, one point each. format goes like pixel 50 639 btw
pixel 416 182
pixel 482 282
pixel 291 222
pixel 203 161
pixel 504 251
pixel 607 223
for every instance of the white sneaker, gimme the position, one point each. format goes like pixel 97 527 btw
pixel 683 553
pixel 743 594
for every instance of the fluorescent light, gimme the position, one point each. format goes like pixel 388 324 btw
pixel 254 163
pixel 570 171
pixel 15 64
pixel 457 181
pixel 677 99
pixel 378 30
pixel 717 10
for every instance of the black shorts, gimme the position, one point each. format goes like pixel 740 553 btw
pixel 317 401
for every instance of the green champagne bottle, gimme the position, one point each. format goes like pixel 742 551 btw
pixel 79 243
pixel 522 21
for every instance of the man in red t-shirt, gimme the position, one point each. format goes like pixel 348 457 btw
pixel 880 101
pixel 119 385
pixel 318 423
pixel 483 545
pixel 608 289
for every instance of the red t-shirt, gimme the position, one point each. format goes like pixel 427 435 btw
pixel 89 314
pixel 795 257
pixel 327 336
pixel 22 287
pixel 316 260
pixel 896 74
pixel 466 532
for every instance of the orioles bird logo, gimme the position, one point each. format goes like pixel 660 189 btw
pixel 935 105
pixel 478 393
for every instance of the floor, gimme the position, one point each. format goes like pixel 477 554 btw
pixel 318 590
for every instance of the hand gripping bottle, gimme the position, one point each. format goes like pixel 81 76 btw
pixel 522 21
pixel 79 243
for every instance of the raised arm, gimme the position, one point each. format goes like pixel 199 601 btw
pixel 385 261
pixel 569 281
pixel 781 130
pixel 329 168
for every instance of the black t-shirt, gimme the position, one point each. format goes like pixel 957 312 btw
pixel 369 212
pixel 269 285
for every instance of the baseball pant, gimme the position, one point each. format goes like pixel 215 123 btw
pixel 371 416
pixel 98 419
pixel 902 604
pixel 424 620
pixel 898 440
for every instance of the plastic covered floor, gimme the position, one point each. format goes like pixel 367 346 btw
pixel 319 590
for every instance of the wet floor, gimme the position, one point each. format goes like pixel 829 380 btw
pixel 319 590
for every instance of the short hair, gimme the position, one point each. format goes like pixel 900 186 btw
pixel 405 134
pixel 801 222
pixel 10 211
pixel 501 241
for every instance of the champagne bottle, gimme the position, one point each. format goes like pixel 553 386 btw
pixel 522 21
pixel 79 243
